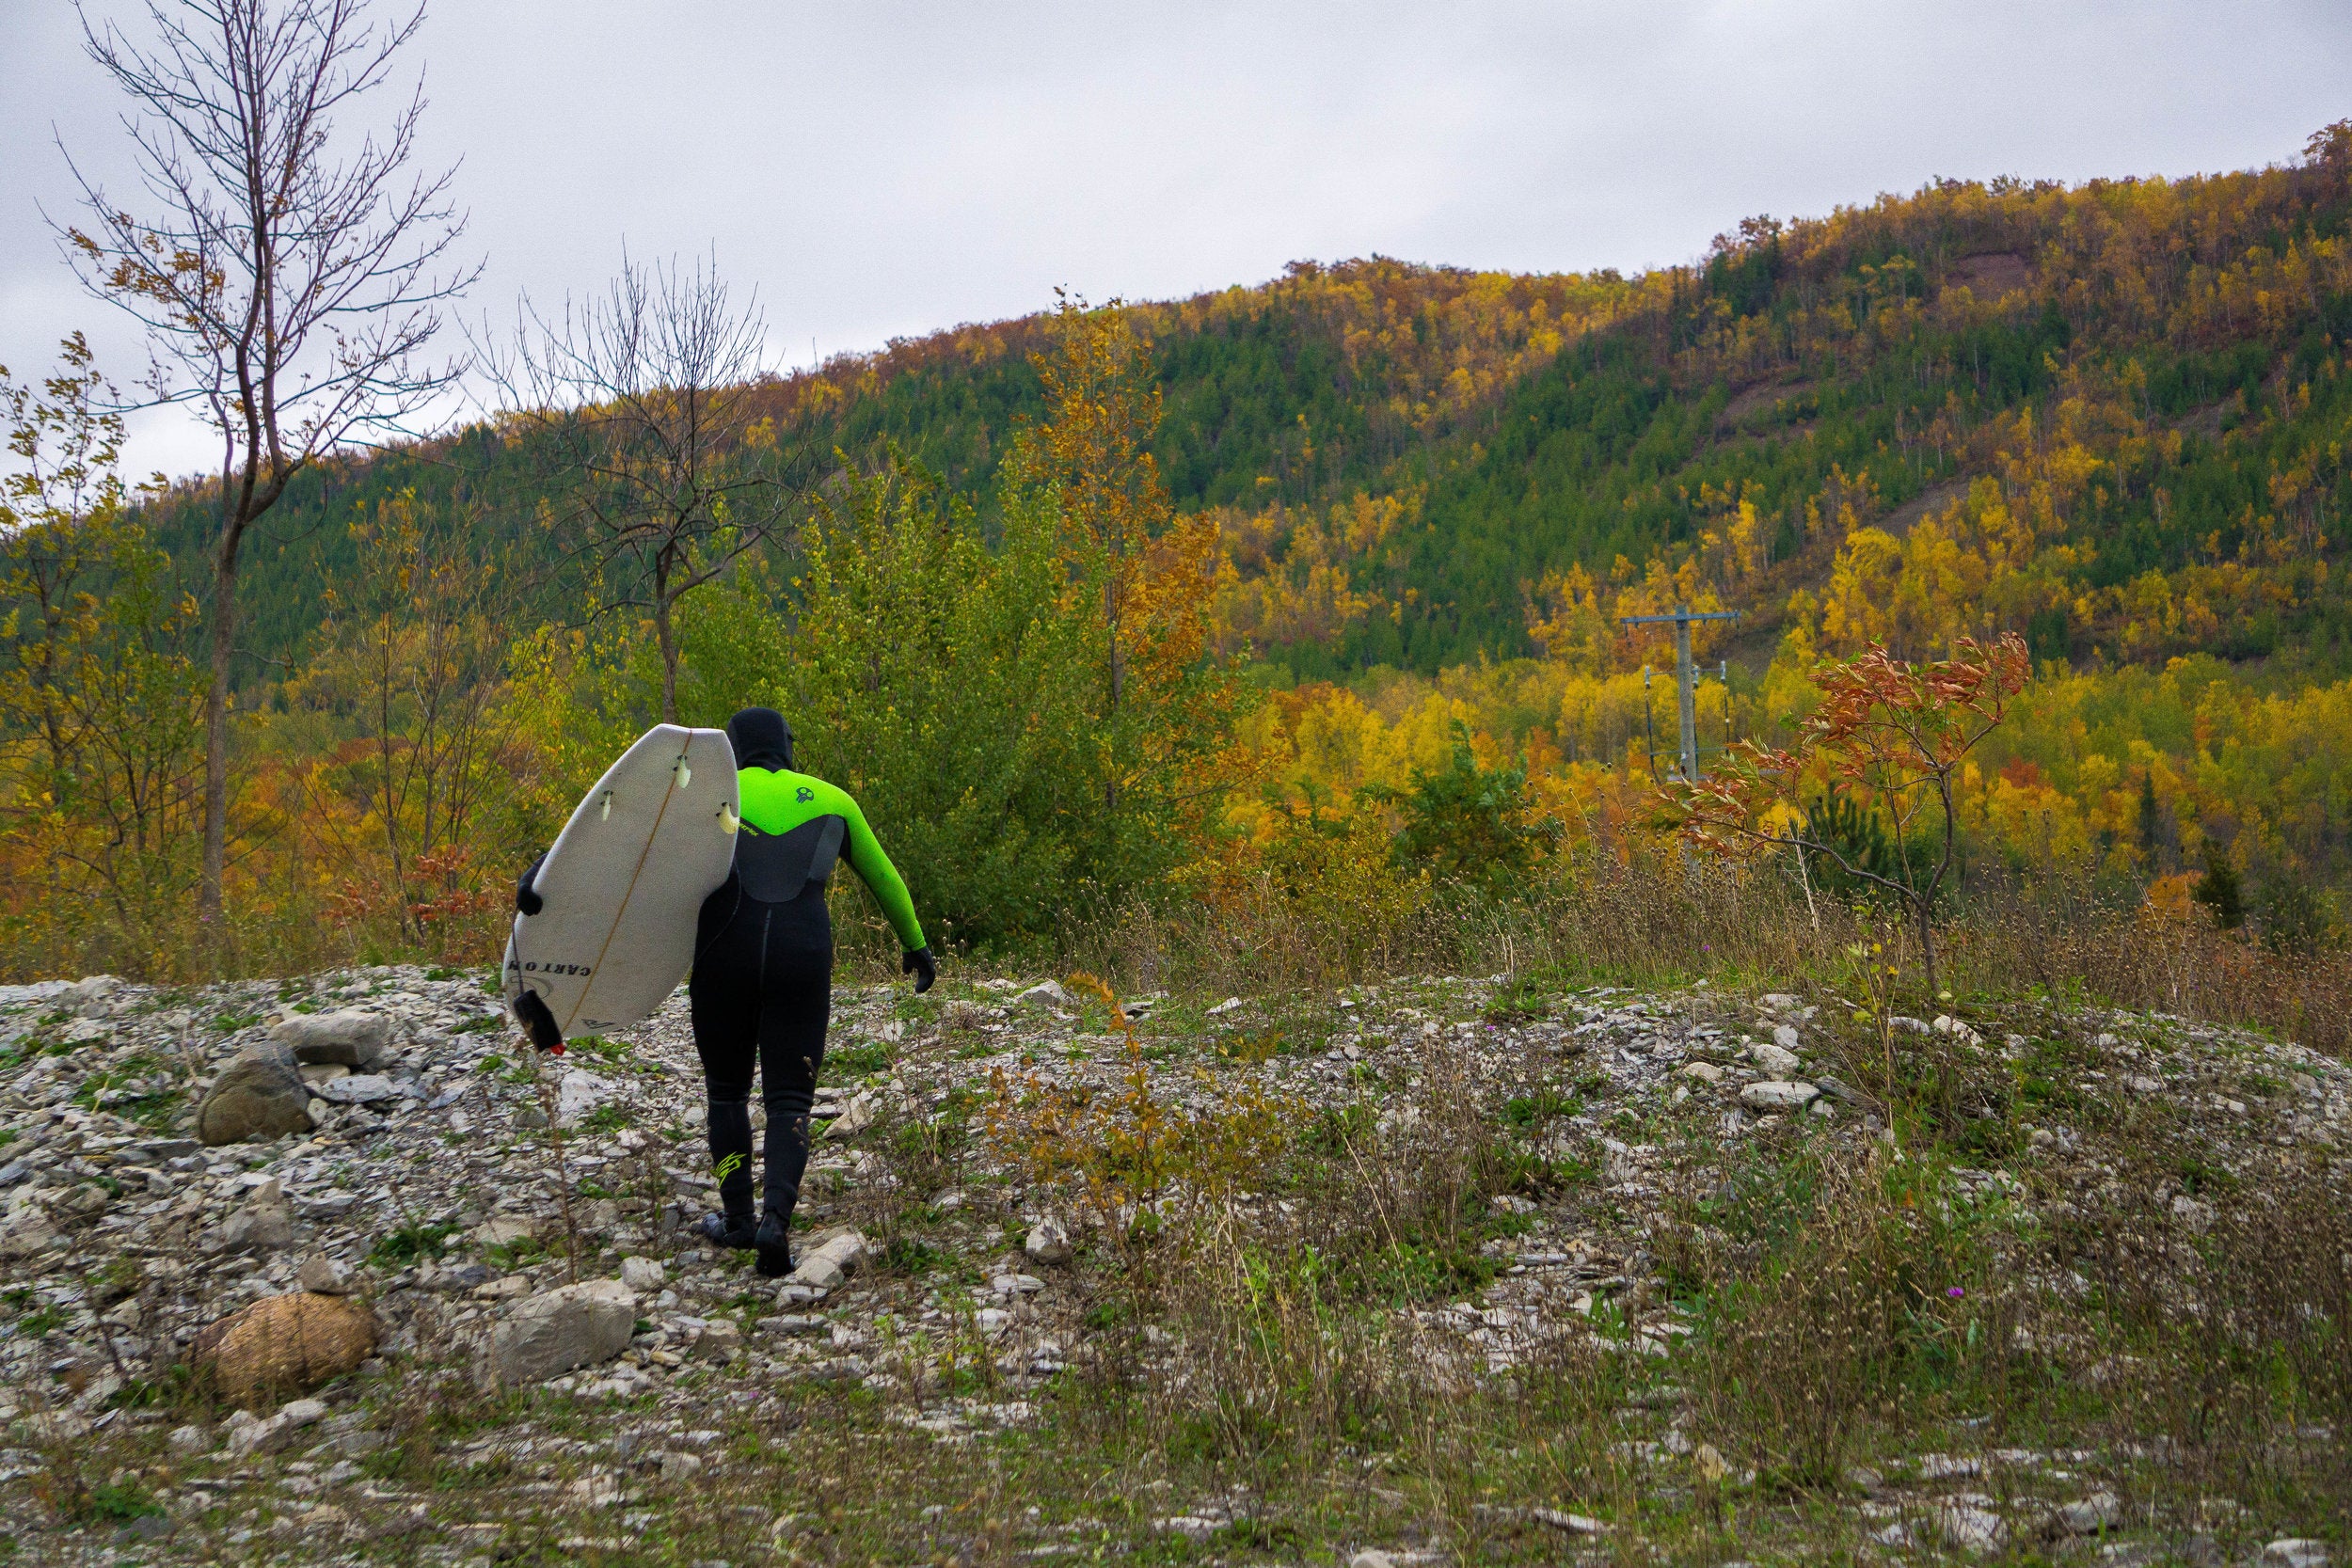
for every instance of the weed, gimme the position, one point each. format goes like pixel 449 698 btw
pixel 110 1503
pixel 858 1061
pixel 411 1243
pixel 1530 1111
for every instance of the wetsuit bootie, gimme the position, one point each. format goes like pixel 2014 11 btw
pixel 732 1231
pixel 774 1242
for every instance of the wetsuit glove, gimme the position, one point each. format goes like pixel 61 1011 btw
pixel 920 964
pixel 526 900
pixel 530 1011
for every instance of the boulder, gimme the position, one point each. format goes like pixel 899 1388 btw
pixel 2296 1552
pixel 856 1118
pixel 2101 1510
pixel 578 1096
pixel 644 1275
pixel 259 1096
pixel 831 1262
pixel 504 1231
pixel 572 1325
pixel 1775 1060
pixel 322 1276
pixel 359 1088
pixel 27 1232
pixel 287 1344
pixel 1778 1095
pixel 259 1226
pixel 351 1037
pixel 1048 1241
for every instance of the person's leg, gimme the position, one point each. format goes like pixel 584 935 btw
pixel 723 998
pixel 792 1019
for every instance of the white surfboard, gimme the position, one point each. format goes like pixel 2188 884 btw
pixel 624 881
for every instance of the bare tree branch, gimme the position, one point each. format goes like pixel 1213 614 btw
pixel 289 289
pixel 645 403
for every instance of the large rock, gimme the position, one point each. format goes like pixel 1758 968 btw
pixel 572 1325
pixel 259 1096
pixel 283 1345
pixel 1778 1095
pixel 261 1225
pixel 830 1263
pixel 578 1096
pixel 359 1088
pixel 855 1118
pixel 250 1434
pixel 352 1038
pixel 27 1232
pixel 1048 1241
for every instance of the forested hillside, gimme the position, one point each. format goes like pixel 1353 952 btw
pixel 1416 466
pixel 1309 592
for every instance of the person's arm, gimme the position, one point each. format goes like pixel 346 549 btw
pixel 882 878
pixel 526 900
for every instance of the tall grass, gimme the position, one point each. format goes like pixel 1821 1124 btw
pixel 1659 919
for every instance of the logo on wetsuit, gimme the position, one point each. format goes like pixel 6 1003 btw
pixel 804 795
pixel 728 1166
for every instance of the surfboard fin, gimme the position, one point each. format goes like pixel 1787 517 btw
pixel 728 821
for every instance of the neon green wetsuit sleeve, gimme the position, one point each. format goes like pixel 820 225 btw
pixel 882 878
pixel 776 802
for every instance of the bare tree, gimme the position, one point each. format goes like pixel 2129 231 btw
pixel 648 401
pixel 287 290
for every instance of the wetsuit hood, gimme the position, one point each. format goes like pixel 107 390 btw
pixel 761 738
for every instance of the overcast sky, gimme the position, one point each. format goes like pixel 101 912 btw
pixel 883 169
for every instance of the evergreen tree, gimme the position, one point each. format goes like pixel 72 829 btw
pixel 2220 889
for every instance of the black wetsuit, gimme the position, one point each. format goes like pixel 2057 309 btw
pixel 761 991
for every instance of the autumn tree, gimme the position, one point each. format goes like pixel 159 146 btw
pixel 647 407
pixel 416 669
pixel 1149 570
pixel 101 712
pixel 287 292
pixel 1893 736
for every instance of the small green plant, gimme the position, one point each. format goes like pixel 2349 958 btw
pixel 1528 1111
pixel 856 1061
pixel 411 1243
pixel 914 1256
pixel 120 1504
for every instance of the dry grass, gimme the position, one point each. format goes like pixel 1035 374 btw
pixel 1667 919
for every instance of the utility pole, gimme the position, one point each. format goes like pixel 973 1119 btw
pixel 1686 675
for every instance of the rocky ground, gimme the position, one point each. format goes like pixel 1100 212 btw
pixel 526 1356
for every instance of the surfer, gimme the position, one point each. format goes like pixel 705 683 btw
pixel 760 993
pixel 761 989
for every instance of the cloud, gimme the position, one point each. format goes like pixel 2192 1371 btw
pixel 884 169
